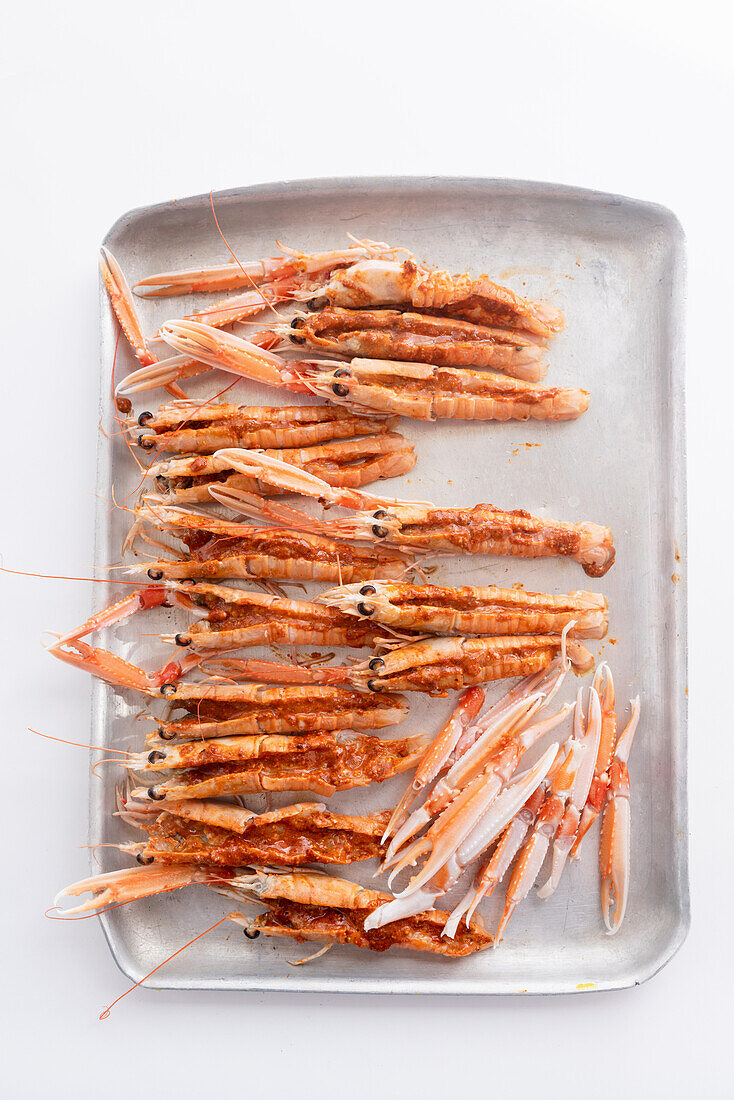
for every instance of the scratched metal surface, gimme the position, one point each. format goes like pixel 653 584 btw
pixel 615 268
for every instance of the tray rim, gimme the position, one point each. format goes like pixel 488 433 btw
pixel 678 504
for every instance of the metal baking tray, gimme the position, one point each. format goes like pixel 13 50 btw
pixel 615 267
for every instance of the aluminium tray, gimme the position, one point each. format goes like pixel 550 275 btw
pixel 615 267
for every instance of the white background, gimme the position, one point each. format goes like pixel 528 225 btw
pixel 116 105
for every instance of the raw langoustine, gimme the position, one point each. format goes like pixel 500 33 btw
pixel 346 464
pixel 483 529
pixel 470 610
pixel 390 387
pixel 300 905
pixel 322 763
pixel 380 282
pixel 227 835
pixel 418 338
pixel 193 427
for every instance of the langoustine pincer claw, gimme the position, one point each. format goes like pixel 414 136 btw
pixel 614 853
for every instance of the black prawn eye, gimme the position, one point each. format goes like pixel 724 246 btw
pixel 364 609
pixel 375 663
pixel 367 590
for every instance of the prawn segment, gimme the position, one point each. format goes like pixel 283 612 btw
pixel 188 427
pixel 311 906
pixel 233 618
pixel 221 550
pixel 199 832
pixel 470 610
pixel 614 853
pixel 442 664
pixel 214 710
pixel 322 763
pixel 425 392
pixel 348 464
pixel 482 529
pixel 234 274
pixel 418 338
pixel 388 282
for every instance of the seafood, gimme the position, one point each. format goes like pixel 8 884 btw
pixel 382 282
pixel 469 610
pixel 168 372
pixel 346 464
pixel 417 338
pixel 500 746
pixel 434 665
pixel 220 834
pixel 214 709
pixel 322 763
pixel 461 832
pixel 301 905
pixel 424 392
pixel 459 735
pixel 235 274
pixel 547 822
pixel 604 686
pixel 588 743
pixel 482 529
pixel 307 906
pixel 190 427
pixel 220 550
pixel 614 852
pixel 416 390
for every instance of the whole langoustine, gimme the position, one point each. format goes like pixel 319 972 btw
pixel 471 610
pixel 193 427
pixel 417 525
pixel 417 338
pixel 226 835
pixel 385 282
pixel 345 464
pixel 387 387
pixel 322 763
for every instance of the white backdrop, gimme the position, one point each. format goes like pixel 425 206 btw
pixel 107 107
